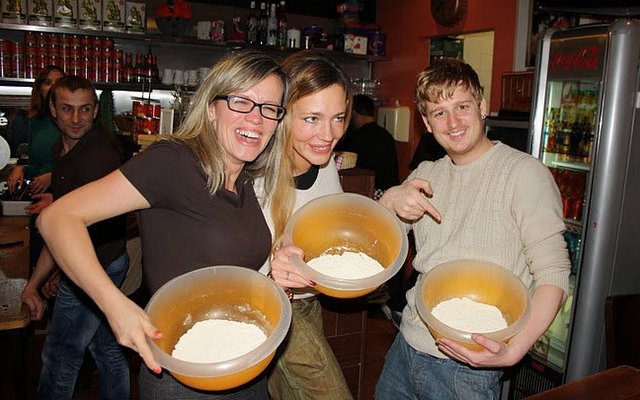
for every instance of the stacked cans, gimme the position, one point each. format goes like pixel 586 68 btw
pixel 146 114
pixel 8 51
pixel 94 58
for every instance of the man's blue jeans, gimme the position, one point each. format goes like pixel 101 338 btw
pixel 77 325
pixel 410 374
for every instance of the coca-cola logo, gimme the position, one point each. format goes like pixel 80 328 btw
pixel 585 58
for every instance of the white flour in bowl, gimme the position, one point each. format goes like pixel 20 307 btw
pixel 216 340
pixel 348 265
pixel 468 315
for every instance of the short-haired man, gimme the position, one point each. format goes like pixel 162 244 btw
pixel 84 153
pixel 484 201
pixel 374 145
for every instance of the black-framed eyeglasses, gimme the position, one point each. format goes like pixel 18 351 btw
pixel 245 106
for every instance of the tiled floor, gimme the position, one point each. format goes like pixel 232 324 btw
pixel 380 335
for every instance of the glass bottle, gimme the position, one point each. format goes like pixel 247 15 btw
pixel 272 27
pixel 552 127
pixel 127 68
pixel 282 25
pixel 140 68
pixel 155 69
pixel 252 24
pixel 262 24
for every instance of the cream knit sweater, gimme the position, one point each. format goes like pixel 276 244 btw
pixel 504 208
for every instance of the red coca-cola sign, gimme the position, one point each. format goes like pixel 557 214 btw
pixel 580 57
pixel 585 58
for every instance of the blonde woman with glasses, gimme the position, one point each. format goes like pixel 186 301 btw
pixel 196 203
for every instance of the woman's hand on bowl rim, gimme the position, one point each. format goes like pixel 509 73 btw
pixel 131 325
pixel 284 272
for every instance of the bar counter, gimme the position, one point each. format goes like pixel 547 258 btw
pixel 619 383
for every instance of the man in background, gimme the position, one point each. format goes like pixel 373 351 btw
pixel 374 145
pixel 83 153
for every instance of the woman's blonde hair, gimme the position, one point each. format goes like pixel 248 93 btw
pixel 235 72
pixel 309 72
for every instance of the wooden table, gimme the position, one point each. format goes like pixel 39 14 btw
pixel 619 383
pixel 14 315
pixel 14 264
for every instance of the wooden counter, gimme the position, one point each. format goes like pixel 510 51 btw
pixel 620 383
pixel 14 315
pixel 14 264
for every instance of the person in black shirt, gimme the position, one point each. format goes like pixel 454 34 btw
pixel 84 153
pixel 428 150
pixel 374 145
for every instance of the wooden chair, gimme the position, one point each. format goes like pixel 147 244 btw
pixel 622 323
pixel 358 180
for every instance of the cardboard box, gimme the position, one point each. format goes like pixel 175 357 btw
pixel 113 15
pixel 65 13
pixel 136 18
pixel 14 11
pixel 90 15
pixel 14 208
pixel 41 12
pixel 355 44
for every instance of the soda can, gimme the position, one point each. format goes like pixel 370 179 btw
pixel 217 30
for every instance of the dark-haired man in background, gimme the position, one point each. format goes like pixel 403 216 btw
pixel 85 152
pixel 374 145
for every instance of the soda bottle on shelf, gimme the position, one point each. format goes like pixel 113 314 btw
pixel 564 141
pixel 282 25
pixel 156 70
pixel 551 131
pixel 574 144
pixel 127 68
pixel 262 24
pixel 252 24
pixel 140 68
pixel 272 27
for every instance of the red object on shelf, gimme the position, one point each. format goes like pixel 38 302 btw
pixel 176 8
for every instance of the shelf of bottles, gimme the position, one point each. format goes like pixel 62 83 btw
pixel 568 140
pixel 569 133
pixel 93 57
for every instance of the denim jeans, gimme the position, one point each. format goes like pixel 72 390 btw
pixel 166 387
pixel 410 374
pixel 77 325
pixel 306 367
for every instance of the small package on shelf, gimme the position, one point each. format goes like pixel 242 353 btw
pixel 355 44
pixel 136 18
pixel 90 17
pixel 14 11
pixel 113 15
pixel 40 13
pixel 65 13
pixel 14 208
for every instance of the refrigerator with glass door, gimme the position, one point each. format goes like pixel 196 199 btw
pixel 585 127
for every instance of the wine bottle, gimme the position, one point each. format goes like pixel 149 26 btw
pixel 262 24
pixel 252 24
pixel 272 26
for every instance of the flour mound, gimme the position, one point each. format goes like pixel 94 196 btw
pixel 348 265
pixel 468 315
pixel 216 340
